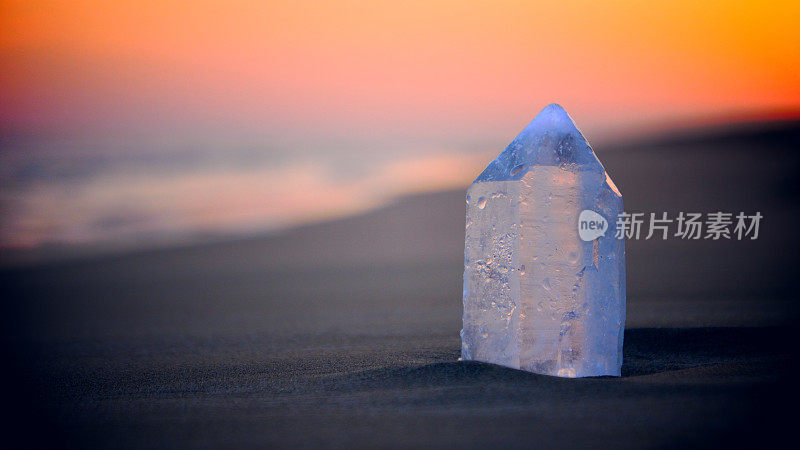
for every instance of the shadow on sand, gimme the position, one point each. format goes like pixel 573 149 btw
pixel 646 351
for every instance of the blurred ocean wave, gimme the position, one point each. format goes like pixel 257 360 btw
pixel 131 199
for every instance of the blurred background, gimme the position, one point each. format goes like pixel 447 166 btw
pixel 147 123
pixel 241 223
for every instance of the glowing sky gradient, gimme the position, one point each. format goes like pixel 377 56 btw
pixel 133 65
pixel 334 89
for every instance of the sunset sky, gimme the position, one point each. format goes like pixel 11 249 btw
pixel 125 117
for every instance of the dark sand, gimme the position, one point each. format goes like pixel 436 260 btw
pixel 346 333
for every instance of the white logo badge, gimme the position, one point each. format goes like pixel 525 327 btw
pixel 591 225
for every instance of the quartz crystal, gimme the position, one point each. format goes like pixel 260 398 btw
pixel 537 296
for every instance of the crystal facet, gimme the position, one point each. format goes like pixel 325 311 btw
pixel 538 297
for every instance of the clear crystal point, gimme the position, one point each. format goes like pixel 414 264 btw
pixel 537 296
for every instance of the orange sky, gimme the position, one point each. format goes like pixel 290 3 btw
pixel 410 67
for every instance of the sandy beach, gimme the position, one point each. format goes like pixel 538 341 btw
pixel 345 333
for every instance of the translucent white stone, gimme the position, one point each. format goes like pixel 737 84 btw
pixel 536 296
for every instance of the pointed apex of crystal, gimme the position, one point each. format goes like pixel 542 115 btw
pixel 552 117
pixel 551 139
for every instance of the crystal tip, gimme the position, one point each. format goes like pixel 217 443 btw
pixel 554 117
